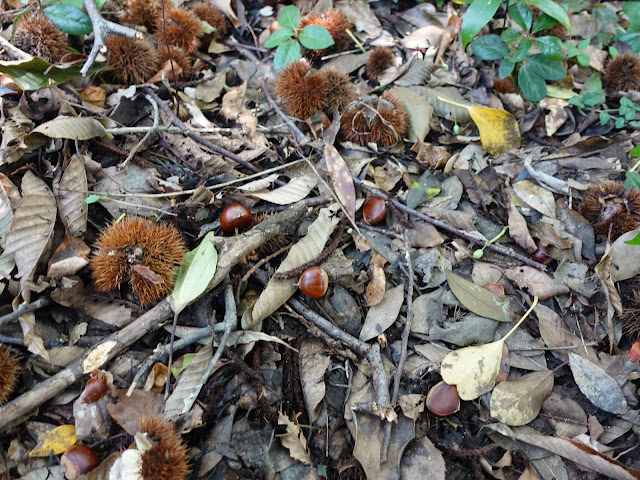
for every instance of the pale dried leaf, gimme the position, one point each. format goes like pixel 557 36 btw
pixel 341 179
pixel 597 385
pixel 233 102
pixel 536 197
pixel 423 461
pixel 309 247
pixel 314 362
pixel 383 315
pixel 72 128
pixel 362 17
pixel 189 384
pixel 70 193
pixel 517 402
pixel 621 267
pixel 32 226
pixel 518 229
pixel 6 217
pixel 446 102
pixel 294 191
pixel 260 184
pixel 538 283
pixel 294 440
pixel 614 303
pixel 419 110
pixel 32 340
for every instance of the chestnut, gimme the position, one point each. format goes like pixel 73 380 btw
pixel 495 288
pixel 78 460
pixel 314 282
pixel 375 210
pixel 235 217
pixel 443 399
pixel 96 387
pixel 541 254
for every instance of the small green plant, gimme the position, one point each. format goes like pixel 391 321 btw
pixel 68 15
pixel 632 35
pixel 533 71
pixel 289 37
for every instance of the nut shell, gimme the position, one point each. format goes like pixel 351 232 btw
pixel 314 282
pixel 96 387
pixel 235 217
pixel 78 460
pixel 443 399
pixel 375 211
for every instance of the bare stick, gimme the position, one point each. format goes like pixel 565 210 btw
pixel 297 133
pixel 230 251
pixel 102 28
pixel 507 252
pixel 25 308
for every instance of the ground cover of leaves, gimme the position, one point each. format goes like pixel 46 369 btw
pixel 476 314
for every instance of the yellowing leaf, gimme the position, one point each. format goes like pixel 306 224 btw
pixel 473 370
pixel 498 128
pixel 57 441
pixel 518 402
pixel 294 440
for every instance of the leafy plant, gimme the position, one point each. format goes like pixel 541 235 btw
pixel 68 15
pixel 632 35
pixel 289 38
pixel 533 71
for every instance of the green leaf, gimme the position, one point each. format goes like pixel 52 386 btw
pixel 543 22
pixel 38 73
pixel 476 17
pixel 532 84
pixel 522 49
pixel 506 67
pixel 632 180
pixel 287 52
pixel 522 15
pixel 546 68
pixel 289 17
pixel 632 9
pixel 584 59
pixel 489 47
pixel 92 199
pixel 635 151
pixel 584 44
pixel 553 10
pixel 315 37
pixel 550 47
pixel 604 117
pixel 510 35
pixel 196 271
pixel 277 37
pixel 619 123
pixel 591 99
pixel 75 3
pixel 69 19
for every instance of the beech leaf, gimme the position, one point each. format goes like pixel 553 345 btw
pixel 70 193
pixel 518 402
pixel 341 179
pixel 294 191
pixel 72 128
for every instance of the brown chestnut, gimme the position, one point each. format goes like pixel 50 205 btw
pixel 541 254
pixel 443 399
pixel 235 217
pixel 375 210
pixel 314 282
pixel 78 460
pixel 96 387
pixel 495 288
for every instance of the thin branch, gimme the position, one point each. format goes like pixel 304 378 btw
pixel 102 28
pixel 297 133
pixel 25 308
pixel 154 127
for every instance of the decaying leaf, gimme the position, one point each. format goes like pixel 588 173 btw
pixel 189 384
pixel 292 192
pixel 341 179
pixel 481 301
pixel 313 365
pixel 56 441
pixel 75 128
pixel 294 440
pixel 537 197
pixel 70 193
pixel 383 315
pixel 538 283
pixel 419 111
pixel 518 402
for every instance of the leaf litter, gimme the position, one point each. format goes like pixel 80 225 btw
pixel 239 370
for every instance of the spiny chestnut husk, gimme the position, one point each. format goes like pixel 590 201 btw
pixel 384 126
pixel 8 372
pixel 144 252
pixel 336 23
pixel 622 74
pixel 180 28
pixel 133 60
pixel 611 206
pixel 214 17
pixel 380 59
pixel 38 36
pixel 142 12
pixel 339 91
pixel 179 58
pixel 302 93
pixel 167 458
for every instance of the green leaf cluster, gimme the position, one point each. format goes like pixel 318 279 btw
pixel 69 17
pixel 288 38
pixel 513 46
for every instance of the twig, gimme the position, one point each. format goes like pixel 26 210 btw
pixel 102 28
pixel 507 252
pixel 154 127
pixel 202 141
pixel 230 251
pixel 25 308
pixel 405 342
pixel 297 133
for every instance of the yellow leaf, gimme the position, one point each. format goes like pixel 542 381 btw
pixel 473 370
pixel 518 402
pixel 498 129
pixel 57 441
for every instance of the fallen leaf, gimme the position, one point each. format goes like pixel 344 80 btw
pixel 341 179
pixel 518 402
pixel 538 283
pixel 55 442
pixel 382 316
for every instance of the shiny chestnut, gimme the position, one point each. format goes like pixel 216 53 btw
pixel 541 254
pixel 443 399
pixel 314 282
pixel 375 210
pixel 96 387
pixel 235 217
pixel 78 460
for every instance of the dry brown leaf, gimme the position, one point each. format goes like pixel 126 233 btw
pixel 423 461
pixel 294 191
pixel 314 362
pixel 614 303
pixel 70 194
pixel 536 197
pixel 383 315
pixel 70 256
pixel 341 179
pixel 538 283
pixel 294 440
pixel 519 231
pixel 189 384
pixel 518 402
